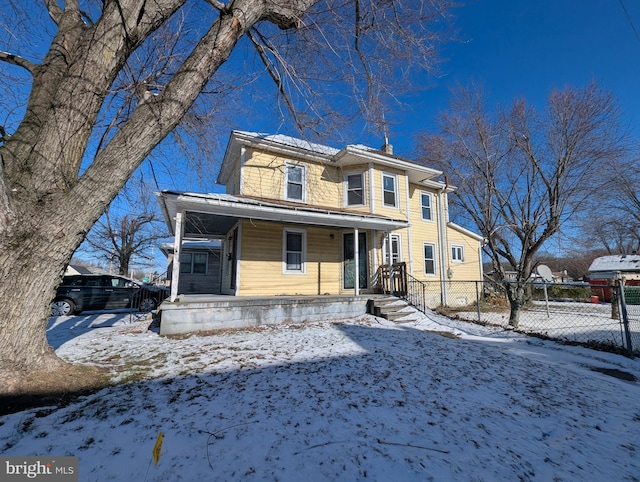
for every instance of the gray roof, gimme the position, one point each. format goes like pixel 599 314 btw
pixel 293 142
pixel 619 262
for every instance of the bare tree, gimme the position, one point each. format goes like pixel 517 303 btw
pixel 613 223
pixel 131 226
pixel 523 174
pixel 120 238
pixel 76 140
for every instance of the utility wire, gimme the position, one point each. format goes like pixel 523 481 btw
pixel 633 27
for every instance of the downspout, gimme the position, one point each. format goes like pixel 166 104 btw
pixel 177 249
pixel 410 245
pixel 442 240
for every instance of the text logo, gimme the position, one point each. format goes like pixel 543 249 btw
pixel 45 468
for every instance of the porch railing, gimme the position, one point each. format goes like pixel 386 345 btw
pixel 391 279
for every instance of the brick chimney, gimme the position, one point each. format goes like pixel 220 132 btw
pixel 386 147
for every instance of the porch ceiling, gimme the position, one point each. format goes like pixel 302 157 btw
pixel 213 215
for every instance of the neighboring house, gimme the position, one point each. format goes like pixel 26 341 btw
pixel 199 266
pixel 606 270
pixel 302 219
pixel 74 269
pixel 616 266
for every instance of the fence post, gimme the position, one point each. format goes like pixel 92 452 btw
pixel 478 302
pixel 625 317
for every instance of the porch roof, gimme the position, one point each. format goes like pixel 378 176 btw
pixel 213 215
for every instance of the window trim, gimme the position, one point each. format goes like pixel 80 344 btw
pixel 396 194
pixel 347 190
pixel 434 259
pixel 422 206
pixel 454 258
pixel 303 182
pixel 303 263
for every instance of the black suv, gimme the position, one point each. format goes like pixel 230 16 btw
pixel 104 292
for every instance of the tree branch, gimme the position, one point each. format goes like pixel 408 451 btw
pixel 217 5
pixel 55 12
pixel 19 61
pixel 275 75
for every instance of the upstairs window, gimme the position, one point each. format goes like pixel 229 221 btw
pixel 457 254
pixel 355 189
pixel 426 203
pixel 389 190
pixel 294 182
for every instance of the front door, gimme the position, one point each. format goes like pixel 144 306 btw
pixel 391 249
pixel 349 261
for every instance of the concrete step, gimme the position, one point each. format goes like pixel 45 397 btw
pixel 391 309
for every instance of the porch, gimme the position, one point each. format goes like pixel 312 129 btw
pixel 193 313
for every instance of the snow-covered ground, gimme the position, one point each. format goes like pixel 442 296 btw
pixel 362 399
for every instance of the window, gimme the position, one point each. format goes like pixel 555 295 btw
pixel 425 200
pixel 193 263
pixel 294 247
pixel 389 195
pixel 457 254
pixel 429 259
pixel 355 189
pixel 294 182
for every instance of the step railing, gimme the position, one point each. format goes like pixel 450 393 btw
pixel 396 281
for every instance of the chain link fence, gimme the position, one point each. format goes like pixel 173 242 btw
pixel 605 317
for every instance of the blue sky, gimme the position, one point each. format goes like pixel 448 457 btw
pixel 518 48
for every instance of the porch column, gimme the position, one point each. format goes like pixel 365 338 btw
pixel 356 263
pixel 177 249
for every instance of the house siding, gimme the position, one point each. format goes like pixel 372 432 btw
pixel 264 177
pixel 469 268
pixel 262 252
pixel 423 232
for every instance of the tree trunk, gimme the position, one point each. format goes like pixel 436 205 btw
pixel 517 296
pixel 36 246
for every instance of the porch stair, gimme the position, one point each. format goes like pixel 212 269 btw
pixel 392 309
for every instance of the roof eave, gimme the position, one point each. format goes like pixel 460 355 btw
pixel 270 212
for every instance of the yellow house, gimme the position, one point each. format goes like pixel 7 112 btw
pixel 299 218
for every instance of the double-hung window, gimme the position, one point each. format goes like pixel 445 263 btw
pixel 426 206
pixel 457 254
pixel 390 190
pixel 193 263
pixel 429 259
pixel 294 182
pixel 294 251
pixel 355 189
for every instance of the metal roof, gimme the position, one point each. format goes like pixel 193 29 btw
pixel 213 215
pixel 618 262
